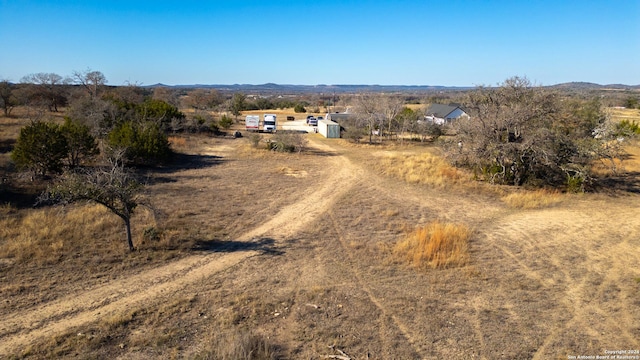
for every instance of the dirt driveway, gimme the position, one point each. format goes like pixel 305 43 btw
pixel 541 284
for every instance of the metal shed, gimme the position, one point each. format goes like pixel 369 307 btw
pixel 329 129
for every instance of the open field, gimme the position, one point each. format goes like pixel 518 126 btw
pixel 295 252
pixel 619 114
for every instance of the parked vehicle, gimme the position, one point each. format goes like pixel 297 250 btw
pixel 320 118
pixel 269 123
pixel 290 118
pixel 252 123
pixel 312 121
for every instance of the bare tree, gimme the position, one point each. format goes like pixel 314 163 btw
pixel 517 134
pixel 91 80
pixel 47 89
pixel 167 95
pixel 202 99
pixel 130 93
pixel 368 113
pixel 99 115
pixel 413 121
pixel 390 107
pixel 112 186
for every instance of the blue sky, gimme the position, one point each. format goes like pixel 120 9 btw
pixel 400 42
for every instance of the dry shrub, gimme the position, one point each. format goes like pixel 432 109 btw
pixel 238 345
pixel 425 168
pixel 532 199
pixel 436 245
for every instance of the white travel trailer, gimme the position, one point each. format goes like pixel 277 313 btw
pixel 252 123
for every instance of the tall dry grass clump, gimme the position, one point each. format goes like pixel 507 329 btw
pixel 425 168
pixel 238 345
pixel 436 245
pixel 532 199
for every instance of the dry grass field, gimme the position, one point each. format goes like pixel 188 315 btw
pixel 254 254
pixel 619 114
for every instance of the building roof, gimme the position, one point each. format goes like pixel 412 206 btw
pixel 442 111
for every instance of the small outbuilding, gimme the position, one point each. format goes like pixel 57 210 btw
pixel 329 129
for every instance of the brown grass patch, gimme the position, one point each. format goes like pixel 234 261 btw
pixel 293 172
pixel 628 163
pixel 425 168
pixel 43 235
pixel 436 245
pixel 632 162
pixel 619 114
pixel 532 199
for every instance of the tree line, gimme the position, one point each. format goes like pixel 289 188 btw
pixel 106 131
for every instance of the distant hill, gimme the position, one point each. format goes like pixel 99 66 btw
pixel 593 86
pixel 286 88
pixel 330 89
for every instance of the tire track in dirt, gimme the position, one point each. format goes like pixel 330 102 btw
pixel 18 330
pixel 411 339
pixel 580 254
pixel 477 328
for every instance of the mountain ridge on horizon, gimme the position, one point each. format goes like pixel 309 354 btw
pixel 579 85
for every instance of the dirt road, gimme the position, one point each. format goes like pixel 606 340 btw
pixel 19 329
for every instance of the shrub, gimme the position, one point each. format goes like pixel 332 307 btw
pixel 287 142
pixel 144 143
pixel 40 147
pixel 82 145
pixel 299 108
pixel 196 124
pixel 214 127
pixel 436 245
pixel 354 134
pixel 225 122
pixel 200 120
pixel 151 233
pixel 159 111
pixel 575 184
pixel 625 127
pixel 280 146
pixel 255 139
